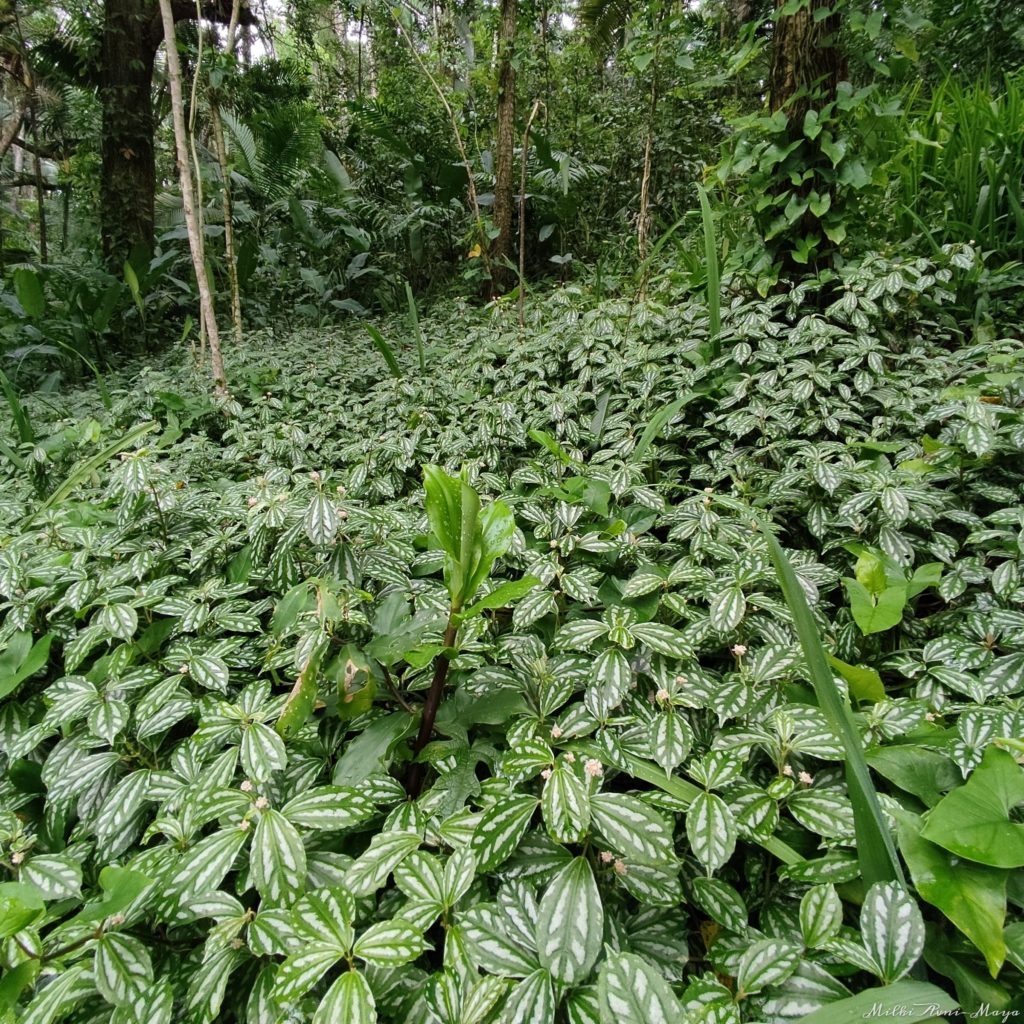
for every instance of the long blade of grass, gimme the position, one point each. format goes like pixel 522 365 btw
pixel 86 467
pixel 686 792
pixel 384 349
pixel 22 423
pixel 714 283
pixel 875 850
pixel 414 323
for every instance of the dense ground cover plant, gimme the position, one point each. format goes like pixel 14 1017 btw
pixel 217 642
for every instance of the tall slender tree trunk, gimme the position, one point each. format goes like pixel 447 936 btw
pixel 225 178
pixel 807 64
pixel 504 149
pixel 128 170
pixel 181 146
pixel 37 163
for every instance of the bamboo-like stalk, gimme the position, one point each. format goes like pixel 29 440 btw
pixel 188 194
pixel 522 211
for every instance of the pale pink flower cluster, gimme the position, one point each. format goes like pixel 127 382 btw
pixel 593 768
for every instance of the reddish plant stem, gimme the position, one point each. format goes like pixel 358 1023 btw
pixel 414 780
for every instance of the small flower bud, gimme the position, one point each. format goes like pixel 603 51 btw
pixel 546 774
pixel 117 919
pixel 739 650
pixel 681 680
pixel 570 758
pixel 787 771
pixel 806 778
pixel 592 767
pixel 17 857
pixel 620 867
pixel 246 787
pixel 262 803
pixel 244 824
pixel 555 732
pixel 607 857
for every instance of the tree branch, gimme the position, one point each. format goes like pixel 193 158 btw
pixel 217 11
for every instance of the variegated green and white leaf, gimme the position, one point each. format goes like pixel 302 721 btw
pixel 202 869
pixel 119 620
pixel 210 672
pixel 386 851
pixel 632 828
pixel 388 943
pixel 350 1000
pixel 671 739
pixel 262 752
pixel 892 930
pixel 122 968
pixel 631 991
pixel 580 634
pixel 57 876
pixel 821 915
pixel 329 807
pixel 277 858
pixel 570 925
pixel 302 970
pixel 500 829
pixel 727 609
pixel 565 805
pixel 324 917
pixel 492 947
pixel 766 962
pixel 532 1001
pixel 662 639
pixel 321 520
pixel 711 829
pixel 611 681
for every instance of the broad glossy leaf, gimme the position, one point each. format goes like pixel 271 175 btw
pixel 972 896
pixel 973 821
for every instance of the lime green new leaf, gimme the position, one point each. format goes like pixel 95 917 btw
pixel 35 658
pixel 384 349
pixel 502 596
pixel 121 886
pixel 865 683
pixel 875 849
pixel 28 287
pixel 973 821
pixel 20 905
pixel 875 612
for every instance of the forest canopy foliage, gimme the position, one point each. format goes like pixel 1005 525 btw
pixel 511 513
